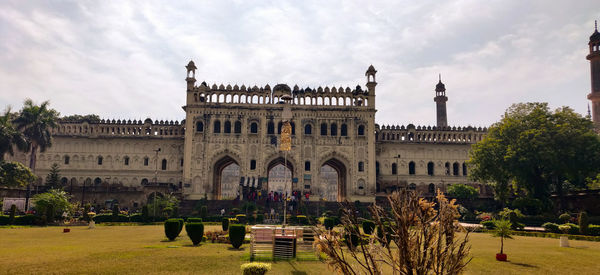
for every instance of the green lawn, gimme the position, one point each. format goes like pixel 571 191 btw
pixel 143 249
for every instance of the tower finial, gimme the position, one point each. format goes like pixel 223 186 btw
pixel 596 25
pixel 440 75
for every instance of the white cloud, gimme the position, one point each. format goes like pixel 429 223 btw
pixel 125 59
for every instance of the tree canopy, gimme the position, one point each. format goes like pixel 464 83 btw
pixel 462 191
pixel 9 135
pixel 15 174
pixel 538 150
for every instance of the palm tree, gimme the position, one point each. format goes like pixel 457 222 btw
pixel 35 122
pixel 502 230
pixel 9 136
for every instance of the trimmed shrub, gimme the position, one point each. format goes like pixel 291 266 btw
pixel 203 211
pixel 584 223
pixel 145 213
pixel 329 223
pixel 551 227
pixel 4 220
pixel 237 232
pixel 11 216
pixel 255 268
pixel 388 230
pixel 191 220
pixel 488 224
pixel 351 238
pixel 574 229
pixel 172 229
pixel 225 224
pixel 368 227
pixel 302 220
pixel 241 218
pixel 260 218
pixel 251 220
pixel 564 218
pixel 195 230
pixel 594 230
pixel 136 218
pixel 28 219
pixel 181 223
pixel 115 210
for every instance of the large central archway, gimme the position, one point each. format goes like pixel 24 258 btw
pixel 280 174
pixel 226 173
pixel 332 176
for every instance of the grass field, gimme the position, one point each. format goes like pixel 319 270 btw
pixel 143 249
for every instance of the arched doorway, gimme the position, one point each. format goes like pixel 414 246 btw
pixel 332 177
pixel 280 174
pixel 226 174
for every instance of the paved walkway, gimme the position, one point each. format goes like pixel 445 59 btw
pixel 527 228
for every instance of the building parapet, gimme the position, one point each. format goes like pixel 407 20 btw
pixel 120 128
pixel 429 134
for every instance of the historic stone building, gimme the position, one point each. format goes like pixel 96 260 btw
pixel 229 142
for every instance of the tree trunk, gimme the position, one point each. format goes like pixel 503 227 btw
pixel 32 159
pixel 501 245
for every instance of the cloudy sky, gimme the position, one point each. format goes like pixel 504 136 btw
pixel 125 59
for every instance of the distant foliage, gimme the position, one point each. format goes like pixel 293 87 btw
pixel 584 223
pixel 329 223
pixel 225 224
pixel 462 192
pixel 368 226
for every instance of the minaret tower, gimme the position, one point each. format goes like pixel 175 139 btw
pixel 594 58
pixel 191 75
pixel 371 83
pixel 440 102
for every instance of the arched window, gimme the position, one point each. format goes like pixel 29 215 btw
pixel 394 169
pixel 344 130
pixel 447 165
pixel 163 165
pixel 237 128
pixel 431 188
pixel 308 129
pixel 361 130
pixel 146 161
pixel 67 159
pixel 323 129
pixel 270 128
pixel 253 128
pixel 361 166
pixel 333 129
pixel 411 168
pixel 430 168
pixel 144 181
pixel 307 166
pixel 100 160
pixel 377 168
pixel 252 164
pixel 217 127
pixel 199 126
pixel 455 169
pixel 97 181
pixel 464 166
pixel 126 160
pixel 279 125
pixel 227 128
pixel 293 125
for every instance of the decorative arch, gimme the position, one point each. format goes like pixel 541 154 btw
pixel 341 164
pixel 218 167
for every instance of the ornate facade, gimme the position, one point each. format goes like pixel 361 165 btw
pixel 230 138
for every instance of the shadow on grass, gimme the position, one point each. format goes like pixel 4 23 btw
pixel 191 245
pixel 523 264
pixel 236 249
pixel 296 271
pixel 167 241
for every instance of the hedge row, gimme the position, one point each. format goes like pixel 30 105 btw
pixel 556 236
pixel 593 230
pixel 20 220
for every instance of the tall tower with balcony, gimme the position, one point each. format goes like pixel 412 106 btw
pixel 594 58
pixel 440 101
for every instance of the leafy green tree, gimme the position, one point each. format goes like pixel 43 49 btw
pixel 462 191
pixel 53 178
pixel 13 174
pixel 9 135
pixel 55 199
pixel 538 150
pixel 158 204
pixel 36 122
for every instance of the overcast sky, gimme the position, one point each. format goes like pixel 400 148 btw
pixel 125 59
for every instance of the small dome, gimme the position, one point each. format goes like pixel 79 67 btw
pixel 595 37
pixel 282 87
pixel 148 120
pixel 440 86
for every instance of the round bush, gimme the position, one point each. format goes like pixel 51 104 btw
pixel 241 218
pixel 191 220
pixel 172 229
pixel 564 218
pixel 225 224
pixel 551 227
pixel 237 232
pixel 368 227
pixel 302 220
pixel 329 223
pixel 195 230
pixel 255 268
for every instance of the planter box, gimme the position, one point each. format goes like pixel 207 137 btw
pixel 501 257
pixel 66 230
